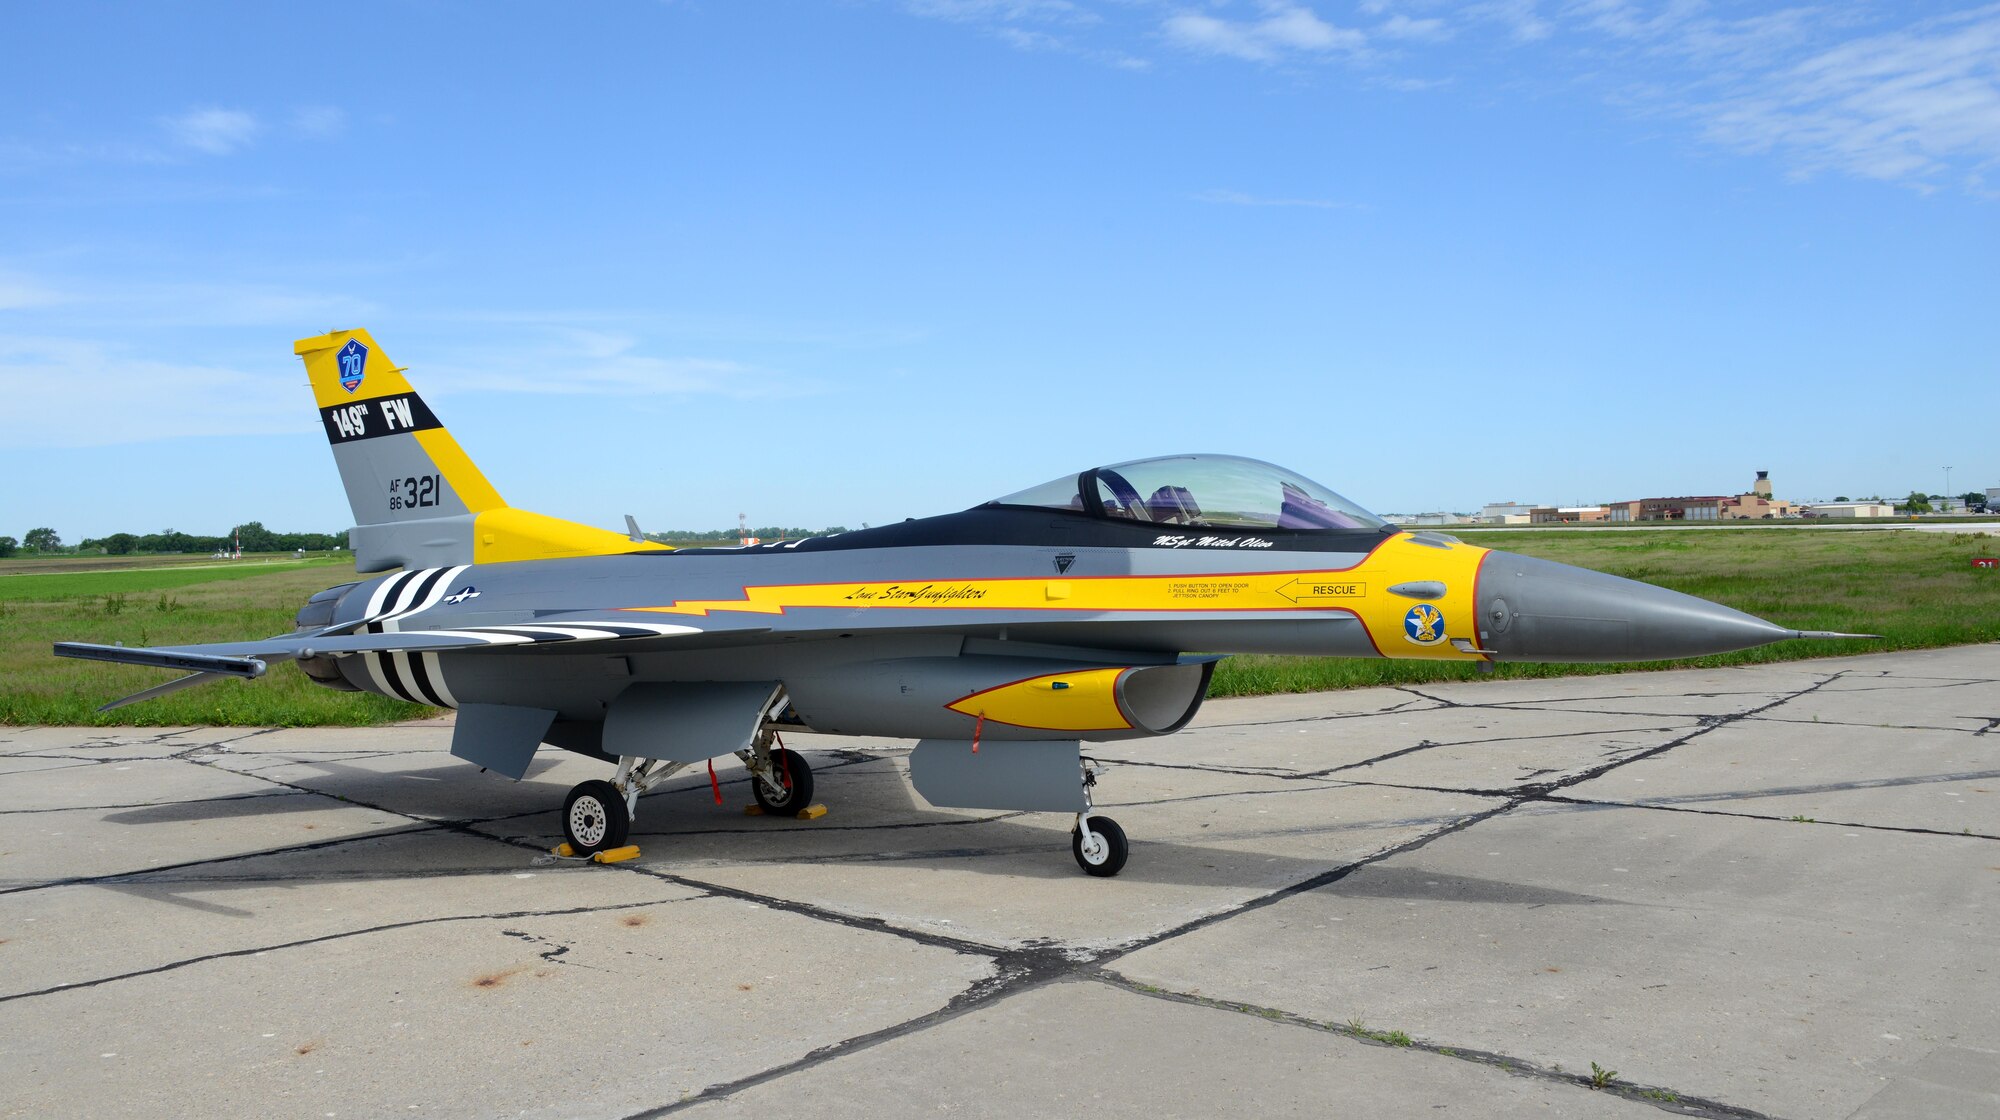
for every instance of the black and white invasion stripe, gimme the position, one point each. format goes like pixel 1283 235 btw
pixel 416 677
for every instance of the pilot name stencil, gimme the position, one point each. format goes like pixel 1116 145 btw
pixel 1172 541
pixel 928 593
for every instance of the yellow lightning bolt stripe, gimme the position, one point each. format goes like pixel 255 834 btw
pixel 1361 591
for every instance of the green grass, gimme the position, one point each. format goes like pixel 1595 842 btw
pixel 1917 590
pixel 25 585
pixel 242 600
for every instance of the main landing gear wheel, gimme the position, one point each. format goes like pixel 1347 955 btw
pixel 1103 854
pixel 789 786
pixel 595 818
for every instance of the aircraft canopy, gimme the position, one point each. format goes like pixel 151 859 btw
pixel 1209 491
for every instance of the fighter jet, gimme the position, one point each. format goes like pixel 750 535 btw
pixel 1091 608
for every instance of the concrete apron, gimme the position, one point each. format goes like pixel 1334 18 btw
pixel 1756 891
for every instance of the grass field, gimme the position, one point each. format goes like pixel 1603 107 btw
pixel 1916 589
pixel 141 604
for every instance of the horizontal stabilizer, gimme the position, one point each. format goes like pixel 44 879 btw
pixel 246 659
pixel 227 665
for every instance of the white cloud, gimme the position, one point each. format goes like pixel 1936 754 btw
pixel 1284 28
pixel 18 293
pixel 1909 106
pixel 1030 25
pixel 64 392
pixel 1521 18
pixel 571 361
pixel 1400 26
pixel 1858 90
pixel 1238 198
pixel 215 131
pixel 988 11
pixel 316 121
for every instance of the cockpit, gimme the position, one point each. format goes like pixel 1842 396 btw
pixel 1204 491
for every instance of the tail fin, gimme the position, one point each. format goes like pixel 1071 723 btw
pixel 418 500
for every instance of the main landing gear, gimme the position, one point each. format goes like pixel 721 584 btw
pixel 598 815
pixel 1097 842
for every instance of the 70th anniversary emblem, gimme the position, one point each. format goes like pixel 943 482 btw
pixel 353 359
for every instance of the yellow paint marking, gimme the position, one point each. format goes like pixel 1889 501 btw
pixel 1081 701
pixel 1397 560
pixel 1310 591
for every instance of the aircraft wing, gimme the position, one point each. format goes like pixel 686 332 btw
pixel 249 659
pixel 289 646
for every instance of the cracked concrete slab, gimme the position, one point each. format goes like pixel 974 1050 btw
pixel 121 784
pixel 351 921
pixel 596 1013
pixel 96 744
pixel 1090 1049
pixel 997 884
pixel 1713 955
pixel 252 904
pixel 28 764
pixel 1940 780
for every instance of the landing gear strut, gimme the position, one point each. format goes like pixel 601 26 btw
pixel 597 815
pixel 780 780
pixel 1097 842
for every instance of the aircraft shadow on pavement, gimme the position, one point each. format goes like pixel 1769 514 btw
pixel 681 831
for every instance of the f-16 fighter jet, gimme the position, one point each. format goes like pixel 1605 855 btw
pixel 1090 608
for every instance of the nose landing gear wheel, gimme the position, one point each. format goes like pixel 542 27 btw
pixel 595 818
pixel 793 789
pixel 1104 853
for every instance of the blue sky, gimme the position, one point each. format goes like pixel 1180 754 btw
pixel 851 262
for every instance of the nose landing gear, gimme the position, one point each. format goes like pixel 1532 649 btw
pixel 1096 841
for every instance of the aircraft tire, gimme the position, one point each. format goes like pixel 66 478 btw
pixel 792 768
pixel 595 818
pixel 1109 858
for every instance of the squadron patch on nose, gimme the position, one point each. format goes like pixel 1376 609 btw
pixel 1424 625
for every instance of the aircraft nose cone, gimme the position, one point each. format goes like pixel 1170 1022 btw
pixel 1538 610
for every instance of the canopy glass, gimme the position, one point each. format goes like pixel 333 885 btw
pixel 1202 491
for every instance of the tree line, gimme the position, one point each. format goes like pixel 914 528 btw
pixel 43 540
pixel 766 533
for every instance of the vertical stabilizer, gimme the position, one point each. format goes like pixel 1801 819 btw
pixel 418 499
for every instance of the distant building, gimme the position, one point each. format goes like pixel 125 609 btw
pixel 1754 504
pixel 1499 513
pixel 1850 509
pixel 1561 515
